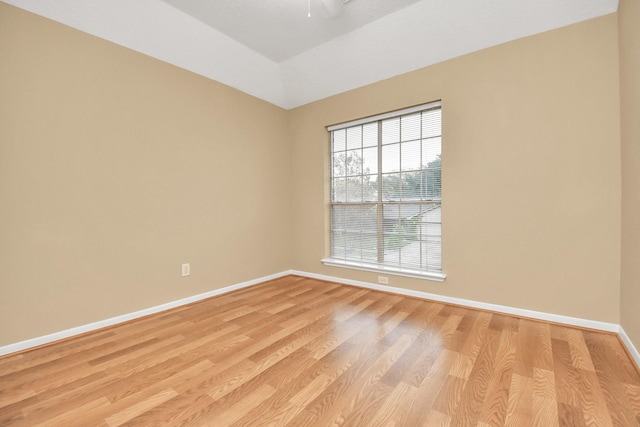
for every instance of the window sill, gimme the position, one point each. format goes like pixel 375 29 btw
pixel 428 275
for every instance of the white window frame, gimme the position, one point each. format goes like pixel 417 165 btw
pixel 436 275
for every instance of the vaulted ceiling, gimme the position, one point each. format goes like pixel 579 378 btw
pixel 273 50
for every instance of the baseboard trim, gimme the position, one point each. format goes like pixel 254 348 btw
pixel 539 315
pixel 56 336
pixel 549 317
pixel 633 351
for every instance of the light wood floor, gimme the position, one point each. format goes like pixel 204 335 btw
pixel 303 352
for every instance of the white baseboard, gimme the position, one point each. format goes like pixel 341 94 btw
pixel 630 347
pixel 549 317
pixel 556 318
pixel 56 336
pixel 539 315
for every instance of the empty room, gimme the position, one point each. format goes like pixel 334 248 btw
pixel 320 213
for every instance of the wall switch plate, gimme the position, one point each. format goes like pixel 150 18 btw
pixel 186 269
pixel 383 280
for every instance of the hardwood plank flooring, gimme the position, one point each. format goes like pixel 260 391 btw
pixel 304 352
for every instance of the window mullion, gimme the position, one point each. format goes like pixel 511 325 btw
pixel 423 196
pixel 380 228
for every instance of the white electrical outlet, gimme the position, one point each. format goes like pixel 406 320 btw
pixel 186 269
pixel 383 280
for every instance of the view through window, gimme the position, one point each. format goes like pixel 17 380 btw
pixel 386 192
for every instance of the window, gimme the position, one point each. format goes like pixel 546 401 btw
pixel 386 193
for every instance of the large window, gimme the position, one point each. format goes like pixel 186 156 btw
pixel 386 193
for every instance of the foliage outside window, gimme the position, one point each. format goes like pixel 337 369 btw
pixel 386 193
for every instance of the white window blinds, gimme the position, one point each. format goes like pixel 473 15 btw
pixel 386 192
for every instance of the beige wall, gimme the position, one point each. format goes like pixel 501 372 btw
pixel 116 168
pixel 629 35
pixel 531 185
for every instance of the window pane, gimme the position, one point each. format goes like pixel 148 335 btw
pixel 354 189
pixel 391 158
pixel 391 131
pixel 353 162
pixel 339 138
pixel 339 164
pixel 412 185
pixel 353 218
pixel 369 242
pixel 390 215
pixel 432 250
pixel 339 190
pixel 410 127
pixel 337 218
pixel 431 150
pixel 353 249
pixel 354 137
pixel 433 183
pixel 370 218
pixel 392 244
pixel 411 158
pixel 352 235
pixel 338 248
pixel 432 237
pixel 370 160
pixel 370 188
pixel 370 135
pixel 431 123
pixel 433 219
pixel 369 245
pixel 391 237
pixel 391 187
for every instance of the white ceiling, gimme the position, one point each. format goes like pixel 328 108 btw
pixel 272 50
pixel 282 29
